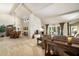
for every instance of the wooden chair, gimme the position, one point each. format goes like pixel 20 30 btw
pixel 12 34
pixel 17 34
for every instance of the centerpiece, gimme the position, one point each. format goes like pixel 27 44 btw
pixel 70 39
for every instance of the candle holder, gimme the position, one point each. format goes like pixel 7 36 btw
pixel 70 40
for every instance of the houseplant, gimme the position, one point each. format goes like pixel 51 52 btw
pixel 2 30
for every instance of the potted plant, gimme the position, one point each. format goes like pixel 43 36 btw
pixel 2 30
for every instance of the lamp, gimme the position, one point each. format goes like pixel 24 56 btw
pixel 41 29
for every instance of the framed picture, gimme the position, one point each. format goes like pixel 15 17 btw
pixel 25 28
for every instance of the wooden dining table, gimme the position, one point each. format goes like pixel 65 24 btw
pixel 62 47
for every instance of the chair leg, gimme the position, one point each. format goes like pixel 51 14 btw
pixel 37 42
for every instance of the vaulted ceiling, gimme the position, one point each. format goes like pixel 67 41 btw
pixel 47 12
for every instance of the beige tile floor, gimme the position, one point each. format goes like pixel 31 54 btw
pixel 20 47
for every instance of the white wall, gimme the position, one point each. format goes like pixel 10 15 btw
pixel 7 19
pixel 34 24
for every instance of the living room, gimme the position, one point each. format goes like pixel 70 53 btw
pixel 39 29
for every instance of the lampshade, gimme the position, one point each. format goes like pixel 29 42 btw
pixel 41 29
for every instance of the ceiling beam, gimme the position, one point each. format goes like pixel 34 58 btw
pixel 15 6
pixel 26 7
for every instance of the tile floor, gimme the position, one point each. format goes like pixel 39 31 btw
pixel 19 47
